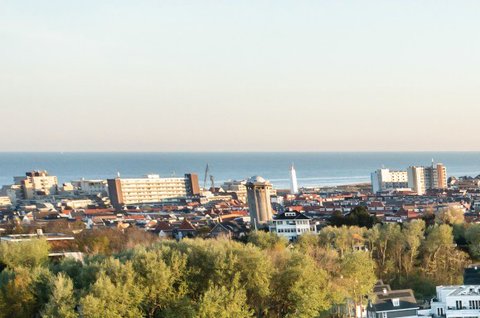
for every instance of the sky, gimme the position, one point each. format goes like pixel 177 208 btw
pixel 244 75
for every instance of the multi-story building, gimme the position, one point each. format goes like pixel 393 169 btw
pixel 237 187
pixel 456 301
pixel 258 197
pixel 90 187
pixel 421 179
pixel 151 189
pixel 386 179
pixel 37 184
pixel 292 224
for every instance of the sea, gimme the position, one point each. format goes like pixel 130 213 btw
pixel 313 168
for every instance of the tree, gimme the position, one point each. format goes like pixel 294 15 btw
pixel 450 216
pixel 267 240
pixel 17 298
pixel 358 277
pixel 224 302
pixel 299 287
pixel 29 254
pixel 62 302
pixel 113 300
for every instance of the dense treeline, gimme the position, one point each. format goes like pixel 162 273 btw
pixel 325 274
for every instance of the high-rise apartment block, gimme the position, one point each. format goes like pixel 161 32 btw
pixel 421 179
pixel 416 178
pixel 151 189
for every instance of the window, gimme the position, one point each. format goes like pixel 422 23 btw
pixel 458 303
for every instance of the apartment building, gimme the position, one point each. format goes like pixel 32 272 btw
pixel 416 178
pixel 421 179
pixel 37 184
pixel 90 187
pixel 386 179
pixel 237 187
pixel 151 189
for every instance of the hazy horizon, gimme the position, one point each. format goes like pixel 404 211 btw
pixel 249 76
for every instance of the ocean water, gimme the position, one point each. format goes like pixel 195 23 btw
pixel 313 169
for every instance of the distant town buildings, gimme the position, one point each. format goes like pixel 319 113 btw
pixel 260 207
pixel 418 179
pixel 151 189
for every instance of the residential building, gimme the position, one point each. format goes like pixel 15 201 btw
pixel 237 187
pixel 37 184
pixel 458 301
pixel 386 179
pixel 90 187
pixel 421 179
pixel 151 189
pixel 389 303
pixel 292 224
pixel 258 197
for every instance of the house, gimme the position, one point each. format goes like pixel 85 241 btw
pixel 389 303
pixel 459 301
pixel 229 230
pixel 186 229
pixel 292 224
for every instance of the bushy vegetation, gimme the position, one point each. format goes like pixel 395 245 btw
pixel 320 275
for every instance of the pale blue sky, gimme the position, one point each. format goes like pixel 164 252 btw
pixel 239 75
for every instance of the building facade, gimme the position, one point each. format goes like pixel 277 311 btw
pixel 259 205
pixel 90 187
pixel 37 184
pixel 151 189
pixel 386 179
pixel 292 224
pixel 456 301
pixel 421 179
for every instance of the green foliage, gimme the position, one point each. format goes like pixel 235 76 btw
pixel 299 287
pixel 27 253
pixel 359 216
pixel 319 274
pixel 224 302
pixel 62 302
pixel 267 240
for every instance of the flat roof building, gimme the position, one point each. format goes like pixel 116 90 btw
pixel 151 189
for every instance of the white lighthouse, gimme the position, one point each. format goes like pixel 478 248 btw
pixel 293 180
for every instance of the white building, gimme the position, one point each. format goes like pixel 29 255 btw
pixel 37 184
pixel 90 187
pixel 386 179
pixel 459 301
pixel 292 224
pixel 293 180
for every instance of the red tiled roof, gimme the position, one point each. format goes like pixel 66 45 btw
pixel 186 226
